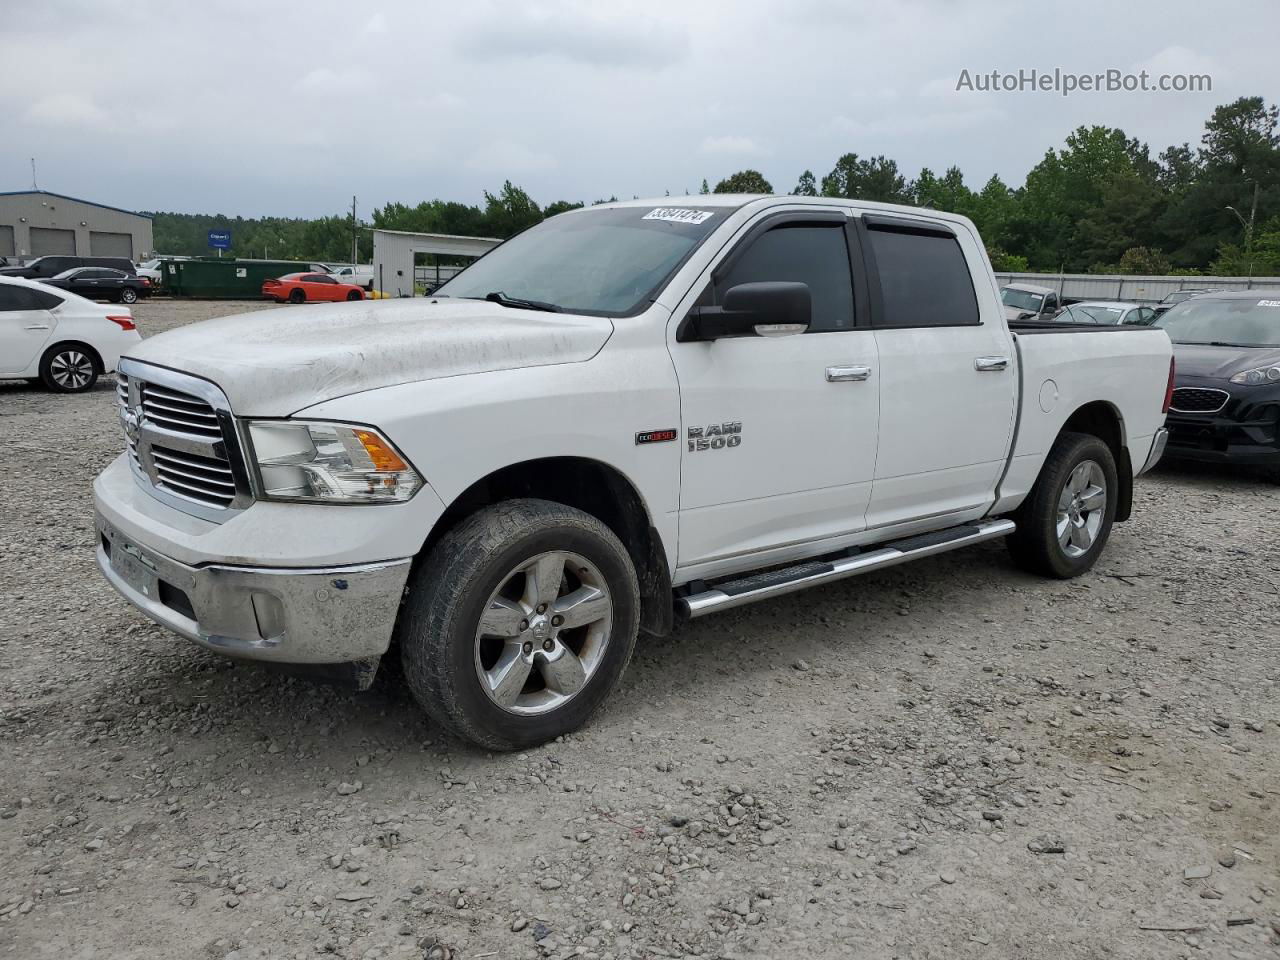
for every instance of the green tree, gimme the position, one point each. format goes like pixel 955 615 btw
pixel 705 188
pixel 511 211
pixel 874 179
pixel 560 206
pixel 807 185
pixel 744 181
pixel 1143 261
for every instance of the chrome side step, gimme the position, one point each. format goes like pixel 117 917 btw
pixel 775 583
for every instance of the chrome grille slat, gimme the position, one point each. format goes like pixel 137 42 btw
pixel 211 431
pixel 168 469
pixel 151 404
pixel 191 460
pixel 195 490
pixel 180 443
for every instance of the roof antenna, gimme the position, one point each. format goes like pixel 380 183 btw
pixel 34 185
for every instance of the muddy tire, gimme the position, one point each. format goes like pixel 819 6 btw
pixel 519 623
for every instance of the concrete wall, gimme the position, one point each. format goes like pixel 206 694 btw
pixel 19 212
pixel 1089 286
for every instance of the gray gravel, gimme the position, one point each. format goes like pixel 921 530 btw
pixel 950 759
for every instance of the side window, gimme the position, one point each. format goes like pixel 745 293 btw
pixel 816 254
pixel 11 298
pixel 14 297
pixel 924 280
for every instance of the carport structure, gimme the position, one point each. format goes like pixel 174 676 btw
pixel 394 251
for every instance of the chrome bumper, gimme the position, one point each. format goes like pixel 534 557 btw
pixel 284 615
pixel 1158 443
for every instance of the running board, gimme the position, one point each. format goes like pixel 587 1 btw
pixel 775 583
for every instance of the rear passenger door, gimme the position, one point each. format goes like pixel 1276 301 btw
pixel 947 371
pixel 26 324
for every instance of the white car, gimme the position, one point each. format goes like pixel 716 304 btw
pixel 151 270
pixel 59 338
pixel 627 414
pixel 1108 312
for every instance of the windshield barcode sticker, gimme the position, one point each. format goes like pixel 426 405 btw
pixel 678 215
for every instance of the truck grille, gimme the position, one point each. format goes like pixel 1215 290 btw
pixel 1198 400
pixel 179 411
pixel 181 445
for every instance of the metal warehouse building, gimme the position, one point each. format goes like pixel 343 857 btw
pixel 34 223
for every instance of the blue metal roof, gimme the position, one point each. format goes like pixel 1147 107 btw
pixel 63 196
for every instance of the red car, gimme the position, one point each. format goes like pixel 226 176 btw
pixel 301 287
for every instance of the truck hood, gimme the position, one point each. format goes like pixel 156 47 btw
pixel 1221 363
pixel 276 362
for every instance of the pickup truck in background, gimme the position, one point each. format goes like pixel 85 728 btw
pixel 629 414
pixel 1026 301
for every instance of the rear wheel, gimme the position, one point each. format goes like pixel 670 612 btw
pixel 69 368
pixel 128 295
pixel 1064 523
pixel 519 623
pixel 297 295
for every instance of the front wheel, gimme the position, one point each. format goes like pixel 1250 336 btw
pixel 519 623
pixel 355 295
pixel 1065 521
pixel 296 295
pixel 128 295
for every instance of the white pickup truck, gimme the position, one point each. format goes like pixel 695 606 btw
pixel 628 414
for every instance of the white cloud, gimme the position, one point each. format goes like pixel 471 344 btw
pixel 729 146
pixel 67 110
pixel 377 23
pixel 507 158
pixel 326 82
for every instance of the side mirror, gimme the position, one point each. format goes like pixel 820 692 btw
pixel 770 309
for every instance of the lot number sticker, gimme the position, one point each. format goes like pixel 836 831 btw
pixel 678 215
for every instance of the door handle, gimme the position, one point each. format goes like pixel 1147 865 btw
pixel 842 374
pixel 991 364
pixel 37 326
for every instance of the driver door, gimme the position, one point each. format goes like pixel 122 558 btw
pixel 778 433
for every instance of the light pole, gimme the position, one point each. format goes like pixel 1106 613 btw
pixel 1247 225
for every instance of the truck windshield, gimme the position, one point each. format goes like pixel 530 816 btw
pixel 1021 299
pixel 609 262
pixel 1246 322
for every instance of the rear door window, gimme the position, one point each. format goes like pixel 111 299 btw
pixel 924 279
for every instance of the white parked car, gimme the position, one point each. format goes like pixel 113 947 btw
pixel 628 414
pixel 59 338
pixel 1107 312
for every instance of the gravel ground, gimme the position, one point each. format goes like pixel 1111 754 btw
pixel 949 759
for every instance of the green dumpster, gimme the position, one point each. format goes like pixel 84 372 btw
pixel 209 278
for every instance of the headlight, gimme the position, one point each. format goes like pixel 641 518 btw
pixel 329 463
pixel 1252 378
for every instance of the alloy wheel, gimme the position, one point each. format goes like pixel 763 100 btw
pixel 1082 508
pixel 543 633
pixel 71 370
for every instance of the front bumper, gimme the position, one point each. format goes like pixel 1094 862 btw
pixel 316 615
pixel 1245 431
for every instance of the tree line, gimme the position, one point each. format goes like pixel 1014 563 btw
pixel 1101 203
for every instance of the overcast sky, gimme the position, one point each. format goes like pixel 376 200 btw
pixel 257 107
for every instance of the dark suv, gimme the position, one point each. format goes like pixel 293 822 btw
pixel 41 268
